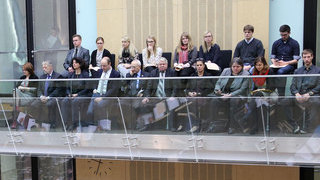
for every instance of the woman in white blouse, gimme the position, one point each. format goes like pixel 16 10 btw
pixel 151 54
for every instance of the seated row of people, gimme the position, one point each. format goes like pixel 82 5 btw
pixel 222 90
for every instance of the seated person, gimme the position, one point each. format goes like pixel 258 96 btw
pixel 249 48
pixel 151 54
pixel 161 88
pixel 284 56
pixel 127 54
pixel 210 52
pixel 184 57
pixel 199 88
pixel 47 92
pixel 136 88
pixel 76 93
pixel 105 88
pixel 261 86
pixel 231 87
pixel 304 89
pixel 98 54
pixel 27 90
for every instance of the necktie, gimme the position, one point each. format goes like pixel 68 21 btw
pixel 46 85
pixel 76 53
pixel 102 83
pixel 161 92
pixel 137 84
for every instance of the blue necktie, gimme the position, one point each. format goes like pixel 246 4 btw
pixel 46 85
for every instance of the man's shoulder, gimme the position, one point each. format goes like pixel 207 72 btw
pixel 114 74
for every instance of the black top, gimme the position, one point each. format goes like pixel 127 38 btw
pixel 78 87
pixel 201 86
pixel 213 54
pixel 105 53
pixel 31 83
pixel 249 52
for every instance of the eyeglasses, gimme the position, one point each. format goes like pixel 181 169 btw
pixel 284 34
pixel 207 36
pixel 150 41
pixel 99 43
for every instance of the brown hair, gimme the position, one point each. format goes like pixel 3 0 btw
pixel 307 51
pixel 154 47
pixel 248 28
pixel 28 67
pixel 99 38
pixel 190 46
pixel 263 61
pixel 77 35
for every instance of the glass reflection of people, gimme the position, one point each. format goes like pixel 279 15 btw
pixel 198 87
pixel 305 90
pixel 151 54
pixel 76 91
pixel 262 86
pixel 27 90
pixel 52 43
pixel 230 93
pixel 126 55
pixel 210 51
pixel 98 54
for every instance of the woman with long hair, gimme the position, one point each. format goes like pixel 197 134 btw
pixel 126 55
pixel 151 54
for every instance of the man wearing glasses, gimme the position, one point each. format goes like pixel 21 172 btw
pixel 284 56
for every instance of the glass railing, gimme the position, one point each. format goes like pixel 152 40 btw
pixel 195 119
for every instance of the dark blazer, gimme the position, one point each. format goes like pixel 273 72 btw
pixel 169 85
pixel 131 89
pixel 82 53
pixel 31 83
pixel 313 83
pixel 78 87
pixel 113 87
pixel 105 53
pixel 55 88
pixel 201 86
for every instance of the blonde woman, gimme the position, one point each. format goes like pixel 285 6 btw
pixel 209 51
pixel 126 55
pixel 185 55
pixel 151 54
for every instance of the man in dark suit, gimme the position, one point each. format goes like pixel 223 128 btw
pixel 47 92
pixel 304 89
pixel 77 51
pixel 136 88
pixel 105 88
pixel 162 88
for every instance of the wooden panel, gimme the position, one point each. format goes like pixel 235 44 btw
pixel 161 23
pixel 194 18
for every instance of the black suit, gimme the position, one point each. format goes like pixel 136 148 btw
pixel 131 89
pixel 113 89
pixel 105 53
pixel 55 89
pixel 169 85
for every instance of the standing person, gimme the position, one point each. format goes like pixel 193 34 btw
pixel 47 92
pixel 126 55
pixel 210 52
pixel 304 89
pixel 27 89
pixel 98 54
pixel 284 56
pixel 151 54
pixel 76 93
pixel 249 48
pixel 77 51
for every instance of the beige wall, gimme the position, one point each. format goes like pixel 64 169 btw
pixel 167 19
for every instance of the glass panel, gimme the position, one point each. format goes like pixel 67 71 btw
pixel 13 45
pixel 51 32
pixel 318 34
pixel 15 167
pixel 55 168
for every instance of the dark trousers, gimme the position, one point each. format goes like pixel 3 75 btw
pixel 39 108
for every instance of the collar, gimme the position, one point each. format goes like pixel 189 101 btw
pixel 139 73
pixel 310 68
pixel 248 42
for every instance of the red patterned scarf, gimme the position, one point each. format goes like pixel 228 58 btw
pixel 183 55
pixel 260 81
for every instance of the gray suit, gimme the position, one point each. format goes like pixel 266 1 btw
pixel 82 53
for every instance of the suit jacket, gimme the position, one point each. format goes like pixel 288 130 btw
pixel 82 53
pixel 131 89
pixel 105 53
pixel 239 86
pixel 55 88
pixel 78 87
pixel 201 86
pixel 113 86
pixel 312 84
pixel 169 85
